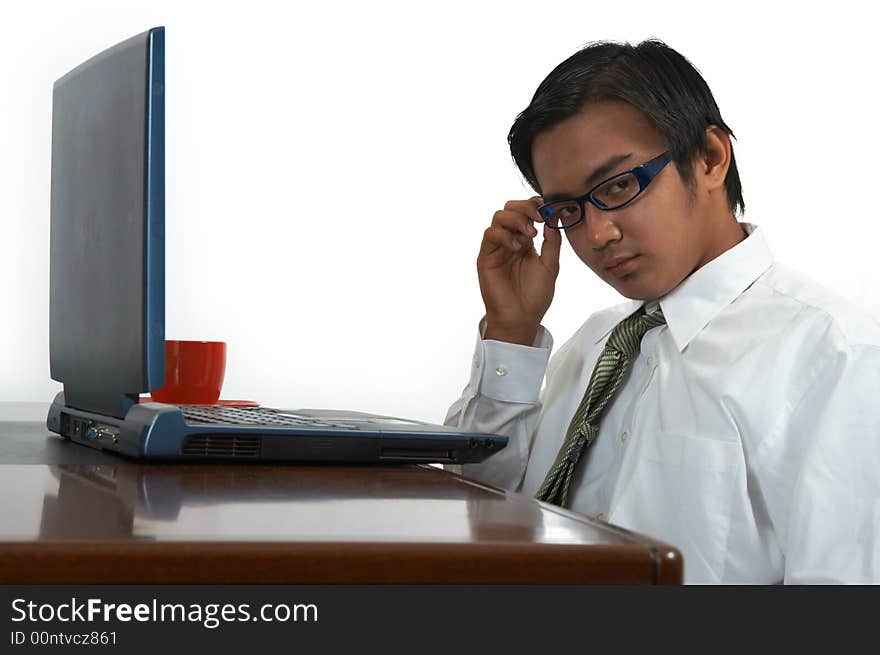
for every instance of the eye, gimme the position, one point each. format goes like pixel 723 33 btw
pixel 621 185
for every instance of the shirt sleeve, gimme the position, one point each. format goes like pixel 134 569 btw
pixel 502 397
pixel 821 475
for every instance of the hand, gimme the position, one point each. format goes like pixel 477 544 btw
pixel 517 283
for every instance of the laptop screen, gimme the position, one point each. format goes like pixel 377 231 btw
pixel 107 259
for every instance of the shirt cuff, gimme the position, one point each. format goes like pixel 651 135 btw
pixel 508 371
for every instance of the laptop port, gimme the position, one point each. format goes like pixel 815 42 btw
pixel 84 429
pixel 439 455
pixel 72 427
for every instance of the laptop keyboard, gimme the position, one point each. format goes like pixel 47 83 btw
pixel 214 415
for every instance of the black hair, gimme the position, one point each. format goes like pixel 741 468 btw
pixel 653 78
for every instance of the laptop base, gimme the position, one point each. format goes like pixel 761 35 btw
pixel 159 431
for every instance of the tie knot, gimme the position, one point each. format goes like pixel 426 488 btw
pixel 627 335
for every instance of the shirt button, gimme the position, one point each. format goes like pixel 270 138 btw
pixel 599 517
pixel 476 361
pixel 624 437
pixel 650 361
pixel 501 369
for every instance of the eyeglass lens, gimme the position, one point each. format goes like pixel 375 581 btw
pixel 613 193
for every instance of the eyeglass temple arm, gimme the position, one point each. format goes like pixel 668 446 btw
pixel 646 172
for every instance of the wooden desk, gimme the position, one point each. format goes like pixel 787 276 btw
pixel 70 514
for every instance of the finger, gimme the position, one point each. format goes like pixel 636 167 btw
pixel 550 248
pixel 527 207
pixel 525 246
pixel 514 221
pixel 527 242
pixel 496 237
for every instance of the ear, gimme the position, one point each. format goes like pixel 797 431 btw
pixel 712 165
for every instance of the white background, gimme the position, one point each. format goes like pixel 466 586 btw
pixel 331 168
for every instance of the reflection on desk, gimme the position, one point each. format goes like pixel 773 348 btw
pixel 102 501
pixel 71 514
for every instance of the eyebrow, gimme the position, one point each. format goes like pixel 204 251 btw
pixel 597 175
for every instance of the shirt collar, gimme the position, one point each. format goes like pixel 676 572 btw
pixel 690 306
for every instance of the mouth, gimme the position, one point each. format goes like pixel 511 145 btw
pixel 623 267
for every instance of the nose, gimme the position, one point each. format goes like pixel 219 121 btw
pixel 601 227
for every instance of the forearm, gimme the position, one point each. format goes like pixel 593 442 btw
pixel 503 397
pixel 516 421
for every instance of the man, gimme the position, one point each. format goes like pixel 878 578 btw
pixel 729 408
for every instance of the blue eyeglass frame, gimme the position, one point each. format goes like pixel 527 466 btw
pixel 643 173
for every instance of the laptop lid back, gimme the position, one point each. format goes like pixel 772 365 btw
pixel 107 250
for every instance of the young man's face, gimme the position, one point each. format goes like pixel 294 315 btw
pixel 661 227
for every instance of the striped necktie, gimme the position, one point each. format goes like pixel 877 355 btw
pixel 611 369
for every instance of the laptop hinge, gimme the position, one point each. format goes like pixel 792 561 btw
pixel 99 401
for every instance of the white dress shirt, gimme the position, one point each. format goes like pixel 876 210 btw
pixel 747 433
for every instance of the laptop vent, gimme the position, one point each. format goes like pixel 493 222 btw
pixel 222 445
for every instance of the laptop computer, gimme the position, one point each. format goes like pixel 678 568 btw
pixel 107 297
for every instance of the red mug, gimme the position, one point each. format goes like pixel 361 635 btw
pixel 194 372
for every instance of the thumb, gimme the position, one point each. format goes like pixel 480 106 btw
pixel 550 248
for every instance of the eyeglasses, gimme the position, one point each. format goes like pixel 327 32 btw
pixel 613 193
